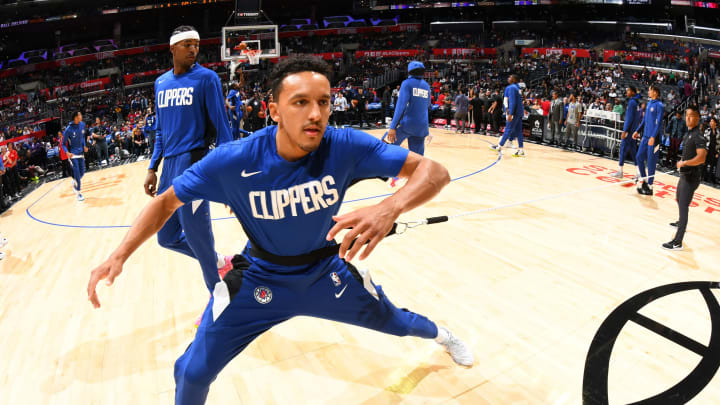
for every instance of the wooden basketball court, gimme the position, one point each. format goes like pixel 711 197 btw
pixel 527 286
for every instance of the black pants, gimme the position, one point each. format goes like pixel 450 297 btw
pixel 710 169
pixel 11 180
pixel 686 187
pixel 66 169
pixel 495 122
pixel 479 119
pixel 102 151
pixel 447 113
pixel 339 117
pixel 361 117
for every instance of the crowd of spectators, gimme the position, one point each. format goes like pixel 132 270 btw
pixel 576 81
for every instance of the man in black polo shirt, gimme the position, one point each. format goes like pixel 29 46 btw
pixel 691 168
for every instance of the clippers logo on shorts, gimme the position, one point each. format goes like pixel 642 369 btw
pixel 303 198
pixel 175 97
pixel 335 279
pixel 263 295
pixel 420 92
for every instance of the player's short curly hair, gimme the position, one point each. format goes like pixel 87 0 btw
pixel 297 64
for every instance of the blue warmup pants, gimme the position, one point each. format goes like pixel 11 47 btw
pixel 627 145
pixel 513 129
pixel 415 143
pixel 235 125
pixel 261 298
pixel 647 154
pixel 188 231
pixel 78 168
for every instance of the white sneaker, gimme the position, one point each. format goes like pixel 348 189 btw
pixel 2 255
pixel 3 241
pixel 80 197
pixel 519 153
pixel 495 148
pixel 103 163
pixel 618 175
pixel 458 350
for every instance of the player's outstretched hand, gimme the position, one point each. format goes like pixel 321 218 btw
pixel 151 183
pixel 368 224
pixel 391 135
pixel 108 270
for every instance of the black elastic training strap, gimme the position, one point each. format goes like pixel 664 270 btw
pixel 300 260
pixel 436 220
pixel 197 154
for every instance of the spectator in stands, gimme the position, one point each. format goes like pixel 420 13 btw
pixel 138 140
pixel 3 200
pixel 11 180
pixel 618 108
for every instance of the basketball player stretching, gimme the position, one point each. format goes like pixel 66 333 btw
pixel 293 180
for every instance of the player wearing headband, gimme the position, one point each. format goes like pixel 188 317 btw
pixel 190 117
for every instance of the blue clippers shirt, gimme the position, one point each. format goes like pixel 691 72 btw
pixel 234 99
pixel 652 121
pixel 411 109
pixel 287 207
pixel 190 112
pixel 74 134
pixel 633 114
pixel 512 101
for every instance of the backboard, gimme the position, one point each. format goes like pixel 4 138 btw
pixel 257 37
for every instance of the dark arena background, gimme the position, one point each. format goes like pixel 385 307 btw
pixel 548 259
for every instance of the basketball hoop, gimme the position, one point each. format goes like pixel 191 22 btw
pixel 253 55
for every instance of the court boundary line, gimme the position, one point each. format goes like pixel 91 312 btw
pixel 29 214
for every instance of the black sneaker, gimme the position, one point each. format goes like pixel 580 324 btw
pixel 674 224
pixel 644 189
pixel 672 245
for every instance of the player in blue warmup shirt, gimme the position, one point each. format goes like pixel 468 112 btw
pixel 410 120
pixel 150 129
pixel 513 107
pixel 632 120
pixel 74 135
pixel 234 106
pixel 190 117
pixel 650 142
pixel 285 184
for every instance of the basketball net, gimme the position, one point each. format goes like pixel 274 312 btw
pixel 253 55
